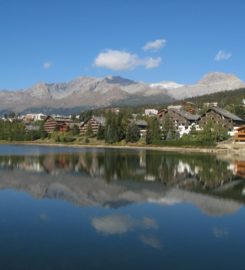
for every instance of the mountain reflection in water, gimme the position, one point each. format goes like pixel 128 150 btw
pixel 67 208
pixel 113 178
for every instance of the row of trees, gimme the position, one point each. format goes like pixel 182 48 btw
pixel 117 128
pixel 16 131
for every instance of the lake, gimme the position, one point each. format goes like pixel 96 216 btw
pixel 87 208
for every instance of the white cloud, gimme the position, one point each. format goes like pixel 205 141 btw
pixel 115 224
pixel 155 45
pixel 47 65
pixel 151 241
pixel 120 224
pixel 222 55
pixel 122 60
pixel 151 62
pixel 149 223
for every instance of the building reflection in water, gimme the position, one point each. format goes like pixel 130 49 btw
pixel 197 173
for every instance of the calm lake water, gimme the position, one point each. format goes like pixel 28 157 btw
pixel 67 208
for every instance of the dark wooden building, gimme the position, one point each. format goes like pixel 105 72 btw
pixel 222 117
pixel 240 168
pixel 52 124
pixel 240 135
pixel 94 122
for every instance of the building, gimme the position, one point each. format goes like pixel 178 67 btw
pixel 52 124
pixel 176 107
pixel 240 134
pixel 221 116
pixel 183 121
pixel 210 104
pixel 31 127
pixel 240 168
pixel 151 112
pixel 142 126
pixel 94 122
pixel 30 117
pixel 189 107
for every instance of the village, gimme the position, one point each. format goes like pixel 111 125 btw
pixel 171 123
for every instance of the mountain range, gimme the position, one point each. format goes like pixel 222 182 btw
pixel 88 92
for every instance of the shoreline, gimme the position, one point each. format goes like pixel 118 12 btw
pixel 213 150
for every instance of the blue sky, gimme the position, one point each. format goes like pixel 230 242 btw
pixel 144 40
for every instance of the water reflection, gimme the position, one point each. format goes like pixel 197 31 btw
pixel 115 209
pixel 114 178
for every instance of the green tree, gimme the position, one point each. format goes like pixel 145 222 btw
pixel 153 134
pixel 85 116
pixel 133 133
pixel 111 132
pixel 212 132
pixel 101 133
pixel 168 128
pixel 75 130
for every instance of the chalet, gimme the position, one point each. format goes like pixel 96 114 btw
pixel 189 107
pixel 222 117
pixel 182 120
pixel 94 122
pixel 52 124
pixel 240 134
pixel 240 168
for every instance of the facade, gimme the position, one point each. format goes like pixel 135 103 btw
pixel 210 104
pixel 151 112
pixel 221 116
pixel 33 117
pixel 182 120
pixel 94 122
pixel 52 124
pixel 142 126
pixel 240 134
pixel 189 107
pixel 240 168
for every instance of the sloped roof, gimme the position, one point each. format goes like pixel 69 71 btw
pixel 57 119
pixel 186 115
pixel 241 128
pixel 226 114
pixel 141 123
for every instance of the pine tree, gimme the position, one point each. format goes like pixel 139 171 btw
pixel 133 133
pixel 101 133
pixel 153 134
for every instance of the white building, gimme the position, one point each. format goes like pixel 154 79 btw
pixel 34 117
pixel 151 112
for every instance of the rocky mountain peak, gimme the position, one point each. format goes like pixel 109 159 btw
pixel 210 83
pixel 86 92
pixel 218 77
pixel 39 90
pixel 118 80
